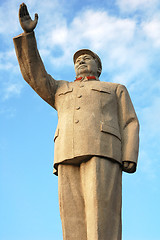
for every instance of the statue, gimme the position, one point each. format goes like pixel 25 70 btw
pixel 96 138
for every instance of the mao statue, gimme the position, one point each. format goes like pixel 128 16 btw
pixel 97 137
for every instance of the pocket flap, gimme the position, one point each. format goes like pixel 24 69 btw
pixel 63 91
pixel 111 130
pixel 101 89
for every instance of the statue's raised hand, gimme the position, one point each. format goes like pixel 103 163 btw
pixel 25 20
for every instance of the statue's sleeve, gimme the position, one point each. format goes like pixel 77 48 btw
pixel 32 67
pixel 129 125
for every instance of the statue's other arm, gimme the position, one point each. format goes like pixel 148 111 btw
pixel 30 62
pixel 129 127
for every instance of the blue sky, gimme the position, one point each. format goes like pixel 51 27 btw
pixel 126 36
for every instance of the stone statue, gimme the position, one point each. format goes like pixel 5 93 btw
pixel 96 138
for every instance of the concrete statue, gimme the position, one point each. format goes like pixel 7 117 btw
pixel 97 138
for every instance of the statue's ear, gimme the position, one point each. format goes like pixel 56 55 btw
pixel 99 71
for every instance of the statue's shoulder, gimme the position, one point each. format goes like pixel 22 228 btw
pixel 63 86
pixel 114 86
pixel 62 83
pixel 109 85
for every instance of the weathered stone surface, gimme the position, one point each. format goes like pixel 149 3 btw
pixel 96 138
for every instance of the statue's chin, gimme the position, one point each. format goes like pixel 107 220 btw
pixel 84 73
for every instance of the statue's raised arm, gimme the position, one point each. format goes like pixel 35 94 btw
pixel 27 24
pixel 30 62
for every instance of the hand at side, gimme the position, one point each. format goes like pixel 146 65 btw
pixel 129 167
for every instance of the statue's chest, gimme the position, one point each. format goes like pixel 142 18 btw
pixel 91 94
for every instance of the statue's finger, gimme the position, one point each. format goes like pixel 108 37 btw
pixel 131 167
pixel 26 10
pixel 23 4
pixel 21 14
pixel 20 11
pixel 36 17
pixel 23 9
pixel 125 164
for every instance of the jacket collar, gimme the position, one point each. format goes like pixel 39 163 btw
pixel 87 78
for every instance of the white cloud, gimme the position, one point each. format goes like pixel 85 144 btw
pixel 94 29
pixel 9 13
pixel 7 60
pixel 11 90
pixel 152 31
pixel 9 21
pixel 100 29
pixel 120 42
pixel 134 5
pixel 9 72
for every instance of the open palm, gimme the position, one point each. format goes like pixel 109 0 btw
pixel 26 22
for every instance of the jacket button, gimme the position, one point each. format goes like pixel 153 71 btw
pixel 77 121
pixel 77 108
pixel 79 96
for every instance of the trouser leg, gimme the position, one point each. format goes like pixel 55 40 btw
pixel 102 189
pixel 71 203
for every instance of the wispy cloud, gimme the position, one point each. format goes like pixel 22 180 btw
pixel 13 89
pixel 8 60
pixel 10 85
pixel 8 18
pixel 127 47
pixel 152 31
pixel 135 5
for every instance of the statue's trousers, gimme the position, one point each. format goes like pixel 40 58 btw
pixel 90 200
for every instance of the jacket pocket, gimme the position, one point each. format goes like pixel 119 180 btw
pixel 101 89
pixel 111 130
pixel 65 91
pixel 56 134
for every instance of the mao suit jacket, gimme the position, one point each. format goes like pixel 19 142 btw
pixel 94 117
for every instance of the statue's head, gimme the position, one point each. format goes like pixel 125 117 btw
pixel 87 63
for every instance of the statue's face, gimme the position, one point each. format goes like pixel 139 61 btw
pixel 86 65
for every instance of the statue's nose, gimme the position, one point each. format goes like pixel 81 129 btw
pixel 82 61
